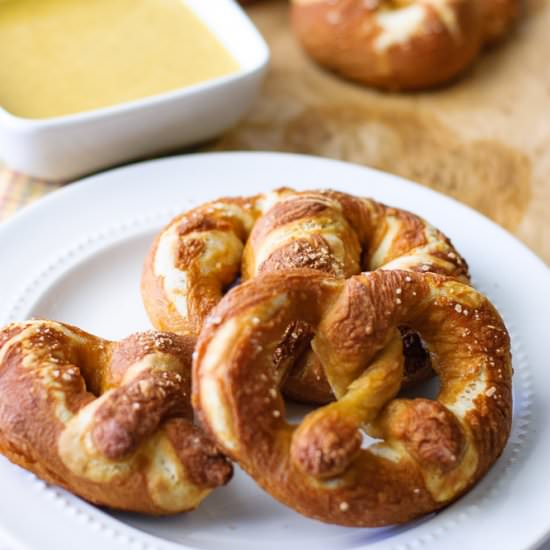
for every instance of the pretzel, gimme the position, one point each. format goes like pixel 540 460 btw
pixel 432 451
pixel 109 421
pixel 499 18
pixel 203 252
pixel 400 44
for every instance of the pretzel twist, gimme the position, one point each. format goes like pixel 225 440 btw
pixel 400 44
pixel 109 421
pixel 204 251
pixel 432 451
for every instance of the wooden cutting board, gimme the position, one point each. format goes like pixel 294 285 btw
pixel 484 140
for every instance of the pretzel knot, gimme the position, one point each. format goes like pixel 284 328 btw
pixel 400 44
pixel 431 451
pixel 109 421
pixel 203 252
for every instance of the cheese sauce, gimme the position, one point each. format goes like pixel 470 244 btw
pixel 59 57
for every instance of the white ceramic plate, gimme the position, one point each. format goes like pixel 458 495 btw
pixel 76 256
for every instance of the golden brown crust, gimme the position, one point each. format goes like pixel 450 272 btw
pixel 431 434
pixel 500 17
pixel 206 466
pixel 202 252
pixel 312 253
pixel 431 452
pixel 160 308
pixel 135 411
pixel 326 448
pixel 404 45
pixel 105 419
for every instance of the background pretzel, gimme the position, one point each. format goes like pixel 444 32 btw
pixel 110 422
pixel 400 44
pixel 204 251
pixel 431 452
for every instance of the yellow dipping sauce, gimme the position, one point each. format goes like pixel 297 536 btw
pixel 59 57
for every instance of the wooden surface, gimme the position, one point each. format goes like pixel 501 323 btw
pixel 484 140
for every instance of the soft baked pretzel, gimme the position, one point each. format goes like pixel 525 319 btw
pixel 109 421
pixel 202 252
pixel 400 44
pixel 499 18
pixel 432 451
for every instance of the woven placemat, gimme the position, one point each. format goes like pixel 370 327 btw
pixel 17 190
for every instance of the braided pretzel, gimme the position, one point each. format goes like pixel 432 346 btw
pixel 202 252
pixel 109 421
pixel 400 44
pixel 431 451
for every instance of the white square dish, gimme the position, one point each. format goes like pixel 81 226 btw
pixel 66 147
pixel 85 269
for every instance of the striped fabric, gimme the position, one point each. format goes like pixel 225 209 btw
pixel 18 190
